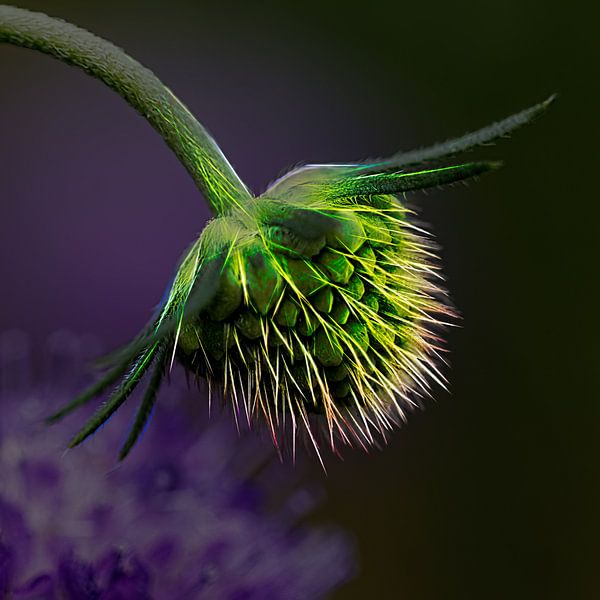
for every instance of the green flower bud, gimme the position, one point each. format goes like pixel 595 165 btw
pixel 313 306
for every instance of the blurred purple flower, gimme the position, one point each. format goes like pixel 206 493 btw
pixel 195 512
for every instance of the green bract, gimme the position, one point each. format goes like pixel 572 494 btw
pixel 314 307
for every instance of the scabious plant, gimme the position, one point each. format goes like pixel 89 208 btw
pixel 314 307
pixel 198 513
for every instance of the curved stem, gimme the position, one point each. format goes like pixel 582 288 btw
pixel 192 144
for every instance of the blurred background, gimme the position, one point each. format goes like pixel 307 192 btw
pixel 492 491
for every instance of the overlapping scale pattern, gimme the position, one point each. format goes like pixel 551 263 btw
pixel 335 329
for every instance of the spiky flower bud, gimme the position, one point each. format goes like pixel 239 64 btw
pixel 321 307
pixel 312 307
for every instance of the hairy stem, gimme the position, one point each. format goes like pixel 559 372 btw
pixel 192 144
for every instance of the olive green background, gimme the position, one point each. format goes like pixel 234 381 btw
pixel 492 492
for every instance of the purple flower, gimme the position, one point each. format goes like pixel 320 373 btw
pixel 196 511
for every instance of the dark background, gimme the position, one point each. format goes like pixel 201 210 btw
pixel 492 492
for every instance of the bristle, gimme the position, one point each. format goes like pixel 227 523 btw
pixel 277 372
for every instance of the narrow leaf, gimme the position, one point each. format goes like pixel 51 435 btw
pixel 117 398
pixel 144 412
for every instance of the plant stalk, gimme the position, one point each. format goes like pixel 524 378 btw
pixel 192 144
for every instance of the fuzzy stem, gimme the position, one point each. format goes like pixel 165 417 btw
pixel 192 144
